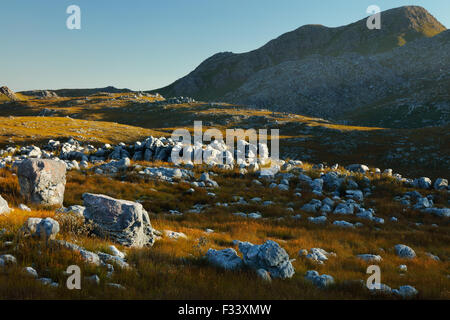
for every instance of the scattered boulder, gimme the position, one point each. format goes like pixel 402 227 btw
pixel 264 275
pixel 174 235
pixel 268 256
pixel 30 226
pixel 227 259
pixel 116 252
pixel 406 292
pixel 7 260
pixel 432 256
pixel 42 181
pixel 321 281
pixel 370 257
pixel 47 229
pixel 123 221
pixel 24 207
pixel 343 224
pixel 440 184
pixel 404 251
pixel 30 272
pixel 318 255
pixel 318 220
pixel 423 183
pixel 361 168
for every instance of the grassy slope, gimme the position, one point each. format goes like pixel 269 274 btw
pixel 323 141
pixel 176 270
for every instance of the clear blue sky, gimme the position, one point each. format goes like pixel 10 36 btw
pixel 146 44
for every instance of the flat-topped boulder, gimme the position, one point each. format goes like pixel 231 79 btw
pixel 42 181
pixel 122 221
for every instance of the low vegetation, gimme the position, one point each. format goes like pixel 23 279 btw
pixel 175 269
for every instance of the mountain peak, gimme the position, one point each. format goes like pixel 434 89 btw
pixel 411 19
pixel 223 75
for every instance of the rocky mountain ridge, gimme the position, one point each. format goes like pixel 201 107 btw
pixel 328 72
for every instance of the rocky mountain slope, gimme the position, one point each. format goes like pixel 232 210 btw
pixel 333 72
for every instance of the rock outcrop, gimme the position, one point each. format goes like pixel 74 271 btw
pixel 8 93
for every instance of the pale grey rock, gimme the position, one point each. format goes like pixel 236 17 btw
pixel 174 235
pixel 77 210
pixel 268 256
pixel 4 208
pixel 24 207
pixel 318 220
pixel 116 252
pixel 30 226
pixel 440 212
pixel 423 183
pixel 344 208
pixel 404 251
pixel 313 206
pixel 383 289
pixel 7 260
pixel 264 275
pixel 30 272
pixel 440 184
pixel 355 195
pixel 318 255
pixel 113 260
pixel 90 257
pixel 42 181
pixel 227 259
pixel 125 222
pixel 361 168
pixel 321 281
pixel 402 268
pixel 406 292
pixel 47 229
pixel 432 256
pixel 370 257
pixel 343 224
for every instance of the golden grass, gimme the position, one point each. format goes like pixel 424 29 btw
pixel 39 130
pixel 175 269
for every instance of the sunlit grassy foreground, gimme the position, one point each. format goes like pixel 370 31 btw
pixel 175 269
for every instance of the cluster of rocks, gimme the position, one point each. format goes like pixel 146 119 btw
pixel 117 258
pixel 415 200
pixel 317 255
pixel 404 292
pixel 269 260
pixel 76 156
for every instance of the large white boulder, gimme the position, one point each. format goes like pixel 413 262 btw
pixel 123 221
pixel 42 181
pixel 268 256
